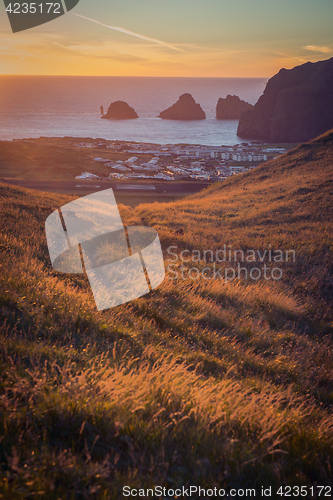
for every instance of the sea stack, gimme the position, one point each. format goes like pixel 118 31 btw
pixel 120 110
pixel 231 108
pixel 296 106
pixel 184 109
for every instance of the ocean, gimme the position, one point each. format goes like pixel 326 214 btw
pixel 58 106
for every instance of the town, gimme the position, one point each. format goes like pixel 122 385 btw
pixel 176 162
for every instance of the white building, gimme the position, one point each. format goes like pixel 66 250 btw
pixel 87 175
pixel 132 159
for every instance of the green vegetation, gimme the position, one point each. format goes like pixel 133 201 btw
pixel 199 382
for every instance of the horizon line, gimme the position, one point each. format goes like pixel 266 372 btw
pixel 141 76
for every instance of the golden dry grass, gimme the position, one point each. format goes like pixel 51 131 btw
pixel 199 382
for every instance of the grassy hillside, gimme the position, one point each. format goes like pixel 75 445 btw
pixel 201 382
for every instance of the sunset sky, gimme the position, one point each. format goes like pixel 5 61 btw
pixel 213 38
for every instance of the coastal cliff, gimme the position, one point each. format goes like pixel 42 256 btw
pixel 296 106
pixel 120 110
pixel 184 109
pixel 231 108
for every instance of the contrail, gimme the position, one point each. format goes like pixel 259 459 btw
pixel 132 33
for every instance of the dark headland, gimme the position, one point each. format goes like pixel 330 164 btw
pixel 296 106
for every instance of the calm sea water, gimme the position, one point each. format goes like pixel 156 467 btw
pixel 49 106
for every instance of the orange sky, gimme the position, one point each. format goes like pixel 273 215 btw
pixel 214 38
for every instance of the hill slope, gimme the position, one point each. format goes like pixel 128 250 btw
pixel 215 382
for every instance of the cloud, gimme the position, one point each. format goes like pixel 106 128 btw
pixel 132 33
pixel 13 46
pixel 103 52
pixel 315 48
